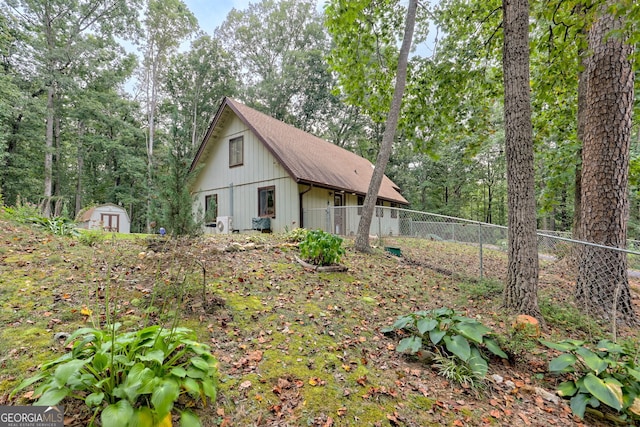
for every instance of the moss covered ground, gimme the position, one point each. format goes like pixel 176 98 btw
pixel 296 347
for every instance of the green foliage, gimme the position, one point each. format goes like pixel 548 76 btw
pixel 452 337
pixel 607 373
pixel 296 235
pixel 321 248
pixel 461 373
pixel 22 212
pixel 91 237
pixel 129 376
pixel 60 226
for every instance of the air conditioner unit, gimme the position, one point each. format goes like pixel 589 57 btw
pixel 224 224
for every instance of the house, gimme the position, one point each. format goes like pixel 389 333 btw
pixel 108 217
pixel 256 172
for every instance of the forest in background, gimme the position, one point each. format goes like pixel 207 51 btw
pixel 86 120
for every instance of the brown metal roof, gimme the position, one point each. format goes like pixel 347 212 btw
pixel 307 158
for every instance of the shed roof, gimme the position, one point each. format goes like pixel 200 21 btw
pixel 307 158
pixel 85 214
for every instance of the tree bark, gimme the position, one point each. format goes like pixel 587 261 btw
pixel 521 290
pixel 602 286
pixel 362 238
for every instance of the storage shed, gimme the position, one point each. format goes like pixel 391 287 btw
pixel 107 217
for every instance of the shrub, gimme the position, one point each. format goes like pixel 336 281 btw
pixel 131 378
pixel 321 248
pixel 606 374
pixel 21 212
pixel 452 338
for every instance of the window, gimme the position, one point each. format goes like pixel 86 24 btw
pixel 210 208
pixel 236 151
pixel 394 210
pixel 267 202
pixel 360 203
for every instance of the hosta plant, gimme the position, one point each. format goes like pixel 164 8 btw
pixel 60 226
pixel 452 338
pixel 605 374
pixel 321 248
pixel 130 378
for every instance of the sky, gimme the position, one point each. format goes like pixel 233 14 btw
pixel 211 13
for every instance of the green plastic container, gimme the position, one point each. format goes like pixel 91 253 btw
pixel 393 250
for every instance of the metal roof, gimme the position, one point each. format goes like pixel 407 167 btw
pixel 307 158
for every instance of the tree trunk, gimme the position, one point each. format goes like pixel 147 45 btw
pixel 521 290
pixel 602 285
pixel 48 153
pixel 362 238
pixel 80 168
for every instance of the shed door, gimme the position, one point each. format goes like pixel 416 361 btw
pixel 110 222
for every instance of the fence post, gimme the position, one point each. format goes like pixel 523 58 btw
pixel 480 245
pixel 328 229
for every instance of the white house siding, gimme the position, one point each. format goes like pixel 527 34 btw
pixel 239 185
pixel 315 204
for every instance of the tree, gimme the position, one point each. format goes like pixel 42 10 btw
pixel 347 18
pixel 59 30
pixel 195 82
pixel 602 285
pixel 167 24
pixel 281 46
pixel 521 289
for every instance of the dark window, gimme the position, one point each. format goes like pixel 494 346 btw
pixel 394 210
pixel 236 151
pixel 210 207
pixel 360 203
pixel 267 202
pixel 380 210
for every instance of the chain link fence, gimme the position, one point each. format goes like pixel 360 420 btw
pixel 599 281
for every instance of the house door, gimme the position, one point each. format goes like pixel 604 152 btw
pixel 110 222
pixel 339 214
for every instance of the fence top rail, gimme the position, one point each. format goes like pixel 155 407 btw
pixel 469 221
pixel 582 242
pixel 484 224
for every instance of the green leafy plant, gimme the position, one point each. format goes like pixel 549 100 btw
pixel 60 226
pixel 296 235
pixel 607 374
pixel 21 212
pixel 131 378
pixel 452 338
pixel 91 237
pixel 321 248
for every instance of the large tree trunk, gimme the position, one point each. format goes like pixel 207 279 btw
pixel 362 238
pixel 602 285
pixel 521 290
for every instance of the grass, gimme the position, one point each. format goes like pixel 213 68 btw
pixel 295 347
